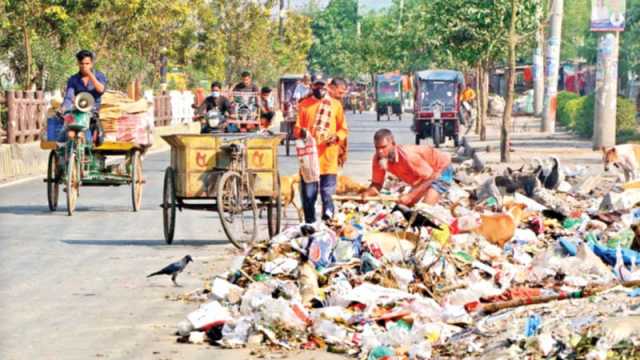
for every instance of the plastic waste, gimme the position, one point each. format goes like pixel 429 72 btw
pixel 236 333
pixel 184 327
pixel 307 153
pixel 321 248
pixel 209 315
pixel 222 290
pixel 420 351
pixel 624 239
pixel 330 331
pixel 344 251
pixel 197 337
pixel 380 352
pixel 281 265
pixel 402 276
pixel 532 326
pixel 546 343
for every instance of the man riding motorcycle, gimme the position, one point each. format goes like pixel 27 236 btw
pixel 213 111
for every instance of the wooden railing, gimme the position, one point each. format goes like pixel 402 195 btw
pixel 26 112
pixel 162 109
pixel 26 115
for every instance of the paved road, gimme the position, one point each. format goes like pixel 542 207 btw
pixel 75 287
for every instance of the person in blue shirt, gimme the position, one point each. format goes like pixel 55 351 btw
pixel 86 80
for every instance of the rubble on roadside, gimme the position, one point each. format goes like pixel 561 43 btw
pixel 372 285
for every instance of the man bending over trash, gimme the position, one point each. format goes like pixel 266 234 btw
pixel 427 170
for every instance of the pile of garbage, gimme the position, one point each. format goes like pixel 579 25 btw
pixel 384 281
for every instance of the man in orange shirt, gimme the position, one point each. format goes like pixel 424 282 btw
pixel 427 170
pixel 322 117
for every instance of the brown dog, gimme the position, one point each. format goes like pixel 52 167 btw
pixel 625 157
pixel 347 186
pixel 288 186
pixel 499 228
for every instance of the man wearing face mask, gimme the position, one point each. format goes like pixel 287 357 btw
pixel 424 168
pixel 322 117
pixel 215 101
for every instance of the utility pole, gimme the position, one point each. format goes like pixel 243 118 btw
pixel 552 67
pixel 538 63
pixel 281 20
pixel 604 127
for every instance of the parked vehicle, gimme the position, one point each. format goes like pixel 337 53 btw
pixel 437 105
pixel 388 93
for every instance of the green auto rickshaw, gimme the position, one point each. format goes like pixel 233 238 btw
pixel 388 92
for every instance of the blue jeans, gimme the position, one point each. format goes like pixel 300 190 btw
pixel 443 183
pixel 309 196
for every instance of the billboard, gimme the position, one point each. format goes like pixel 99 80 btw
pixel 607 15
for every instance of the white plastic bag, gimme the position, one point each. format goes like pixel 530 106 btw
pixel 307 153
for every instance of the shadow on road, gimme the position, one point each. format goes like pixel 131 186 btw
pixel 151 243
pixel 25 209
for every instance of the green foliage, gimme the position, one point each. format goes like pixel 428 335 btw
pixel 566 114
pixel 625 116
pixel 576 24
pixel 214 39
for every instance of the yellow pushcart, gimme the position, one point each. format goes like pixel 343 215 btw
pixel 233 174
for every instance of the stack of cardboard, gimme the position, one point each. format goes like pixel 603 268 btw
pixel 126 120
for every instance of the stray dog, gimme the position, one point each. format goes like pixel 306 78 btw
pixel 499 228
pixel 624 157
pixel 288 185
pixel 346 186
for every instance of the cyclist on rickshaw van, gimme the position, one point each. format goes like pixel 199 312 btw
pixel 216 105
pixel 246 85
pixel 86 80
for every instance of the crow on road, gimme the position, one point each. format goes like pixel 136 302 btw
pixel 173 269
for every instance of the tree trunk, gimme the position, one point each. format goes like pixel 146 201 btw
pixel 505 155
pixel 478 98
pixel 27 48
pixel 485 100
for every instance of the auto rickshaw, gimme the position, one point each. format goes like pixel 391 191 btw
pixel 388 92
pixel 437 105
pixel 288 105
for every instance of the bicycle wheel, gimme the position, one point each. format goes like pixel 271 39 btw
pixel 237 208
pixel 169 205
pixel 73 182
pixel 53 187
pixel 136 180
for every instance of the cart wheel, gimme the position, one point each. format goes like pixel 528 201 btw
pixel 377 116
pixel 169 205
pixel 400 116
pixel 237 208
pixel 274 211
pixel 436 135
pixel 286 143
pixel 417 139
pixel 136 180
pixel 73 183
pixel 456 141
pixel 389 111
pixel 53 176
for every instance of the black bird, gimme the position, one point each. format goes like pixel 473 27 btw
pixel 173 269
pixel 419 221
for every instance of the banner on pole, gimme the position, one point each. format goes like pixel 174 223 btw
pixel 607 15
